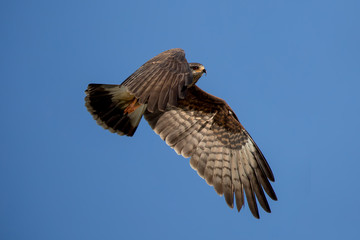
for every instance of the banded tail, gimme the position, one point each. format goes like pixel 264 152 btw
pixel 114 108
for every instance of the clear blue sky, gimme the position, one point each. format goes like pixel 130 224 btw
pixel 289 69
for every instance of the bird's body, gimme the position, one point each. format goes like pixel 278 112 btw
pixel 193 122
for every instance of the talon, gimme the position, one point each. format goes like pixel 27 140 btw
pixel 132 106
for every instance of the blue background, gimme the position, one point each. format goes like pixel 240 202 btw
pixel 289 69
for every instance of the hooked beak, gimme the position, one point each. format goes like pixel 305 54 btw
pixel 204 71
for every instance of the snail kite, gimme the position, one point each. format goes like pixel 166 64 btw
pixel 194 123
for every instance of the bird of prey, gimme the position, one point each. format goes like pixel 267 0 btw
pixel 194 123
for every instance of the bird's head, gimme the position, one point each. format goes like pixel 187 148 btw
pixel 197 70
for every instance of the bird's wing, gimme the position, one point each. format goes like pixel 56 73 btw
pixel 161 80
pixel 205 128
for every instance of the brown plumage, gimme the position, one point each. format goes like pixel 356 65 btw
pixel 194 123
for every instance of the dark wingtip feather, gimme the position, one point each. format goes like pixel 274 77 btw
pixel 251 201
pixel 229 198
pixel 274 197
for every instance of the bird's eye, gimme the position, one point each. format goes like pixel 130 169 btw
pixel 195 67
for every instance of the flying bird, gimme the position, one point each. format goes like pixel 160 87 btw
pixel 194 123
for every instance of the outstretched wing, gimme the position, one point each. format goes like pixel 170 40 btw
pixel 161 80
pixel 205 128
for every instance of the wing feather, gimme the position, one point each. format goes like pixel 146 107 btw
pixel 164 93
pixel 216 156
pixel 236 180
pixel 208 142
pixel 209 169
pixel 157 88
pixel 247 186
pixel 205 129
pixel 226 177
pixel 249 166
pixel 162 80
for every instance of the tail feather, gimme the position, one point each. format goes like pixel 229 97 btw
pixel 108 103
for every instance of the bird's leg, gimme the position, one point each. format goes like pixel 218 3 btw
pixel 132 106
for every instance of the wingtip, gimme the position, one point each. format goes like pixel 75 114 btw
pixel 255 213
pixel 274 197
pixel 229 199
